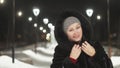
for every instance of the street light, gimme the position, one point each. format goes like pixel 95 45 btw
pixel 89 12
pixel 98 17
pixel 30 19
pixel 20 13
pixel 41 28
pixel 50 25
pixel 45 20
pixel 36 12
pixel 44 30
pixel 35 24
pixel 2 1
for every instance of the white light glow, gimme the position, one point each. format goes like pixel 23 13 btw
pixel 1 1
pixel 44 31
pixel 30 19
pixel 48 36
pixel 89 12
pixel 35 24
pixel 36 11
pixel 50 25
pixel 98 17
pixel 41 28
pixel 20 13
pixel 45 20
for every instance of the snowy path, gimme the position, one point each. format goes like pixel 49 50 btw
pixel 6 62
pixel 39 60
pixel 116 61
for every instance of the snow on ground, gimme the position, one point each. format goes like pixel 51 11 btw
pixel 116 61
pixel 6 62
pixel 46 51
pixel 39 59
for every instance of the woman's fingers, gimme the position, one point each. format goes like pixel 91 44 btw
pixel 75 52
pixel 88 49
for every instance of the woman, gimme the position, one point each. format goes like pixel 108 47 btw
pixel 75 48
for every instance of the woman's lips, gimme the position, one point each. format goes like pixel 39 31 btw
pixel 76 36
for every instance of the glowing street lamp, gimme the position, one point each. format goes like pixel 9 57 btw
pixel 30 19
pixel 41 28
pixel 36 12
pixel 50 25
pixel 89 12
pixel 98 17
pixel 35 24
pixel 44 30
pixel 2 1
pixel 45 20
pixel 20 13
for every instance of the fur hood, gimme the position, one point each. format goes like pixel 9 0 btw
pixel 59 33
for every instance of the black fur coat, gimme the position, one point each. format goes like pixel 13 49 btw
pixel 62 51
pixel 99 60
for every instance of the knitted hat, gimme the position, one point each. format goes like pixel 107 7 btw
pixel 68 21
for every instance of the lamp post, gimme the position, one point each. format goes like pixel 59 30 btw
pixel 13 32
pixel 89 13
pixel 36 12
pixel 108 27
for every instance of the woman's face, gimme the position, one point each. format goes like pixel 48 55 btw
pixel 74 32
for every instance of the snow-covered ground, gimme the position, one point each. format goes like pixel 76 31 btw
pixel 116 61
pixel 41 59
pixel 6 62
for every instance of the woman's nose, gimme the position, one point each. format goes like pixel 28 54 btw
pixel 75 32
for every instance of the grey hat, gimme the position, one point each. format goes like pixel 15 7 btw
pixel 68 21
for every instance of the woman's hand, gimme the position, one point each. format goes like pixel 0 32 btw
pixel 88 49
pixel 75 52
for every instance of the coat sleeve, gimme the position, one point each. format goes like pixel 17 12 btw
pixel 101 59
pixel 61 60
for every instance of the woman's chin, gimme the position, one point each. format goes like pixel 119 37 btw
pixel 77 40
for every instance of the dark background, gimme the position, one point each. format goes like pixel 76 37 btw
pixel 24 33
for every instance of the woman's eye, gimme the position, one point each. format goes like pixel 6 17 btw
pixel 71 30
pixel 78 27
